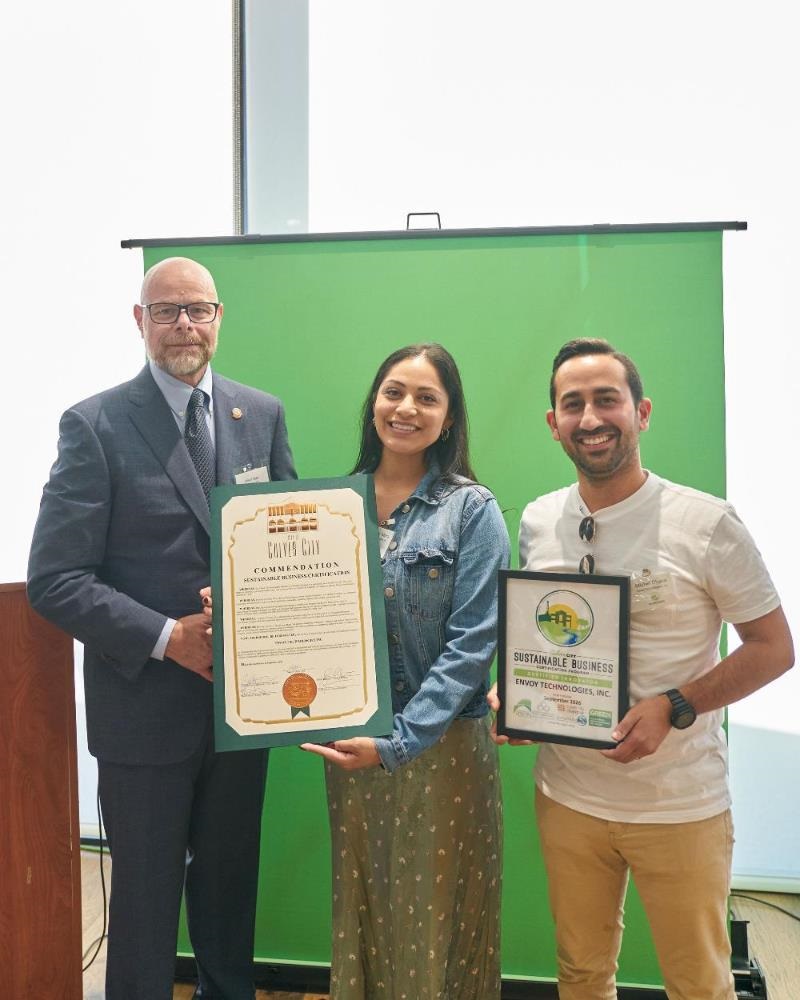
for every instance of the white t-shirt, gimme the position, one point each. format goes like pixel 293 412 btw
pixel 714 572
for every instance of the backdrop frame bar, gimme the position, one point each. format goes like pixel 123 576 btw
pixel 602 229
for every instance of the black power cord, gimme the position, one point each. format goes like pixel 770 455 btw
pixel 765 902
pixel 97 944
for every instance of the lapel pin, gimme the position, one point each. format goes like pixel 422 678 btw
pixel 236 413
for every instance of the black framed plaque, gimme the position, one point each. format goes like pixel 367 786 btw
pixel 562 657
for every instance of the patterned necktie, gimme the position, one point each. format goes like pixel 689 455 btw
pixel 198 441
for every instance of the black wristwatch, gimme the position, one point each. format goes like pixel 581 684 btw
pixel 683 714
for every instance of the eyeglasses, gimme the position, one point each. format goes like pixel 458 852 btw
pixel 168 312
pixel 586 531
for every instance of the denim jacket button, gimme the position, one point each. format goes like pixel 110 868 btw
pixel 406 508
pixel 394 638
pixel 433 573
pixel 400 686
pixel 389 592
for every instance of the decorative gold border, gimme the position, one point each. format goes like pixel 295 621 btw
pixel 288 722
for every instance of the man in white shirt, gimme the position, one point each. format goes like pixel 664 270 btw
pixel 657 805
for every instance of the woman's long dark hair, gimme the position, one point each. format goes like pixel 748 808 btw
pixel 450 455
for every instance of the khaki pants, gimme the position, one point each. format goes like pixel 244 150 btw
pixel 682 872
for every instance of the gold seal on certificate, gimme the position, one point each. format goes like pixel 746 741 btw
pixel 299 638
pixel 299 690
pixel 562 657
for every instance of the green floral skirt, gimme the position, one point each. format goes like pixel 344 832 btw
pixel 417 872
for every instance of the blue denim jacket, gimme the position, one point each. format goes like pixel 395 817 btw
pixel 440 593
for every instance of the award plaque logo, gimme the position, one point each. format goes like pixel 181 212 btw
pixel 564 618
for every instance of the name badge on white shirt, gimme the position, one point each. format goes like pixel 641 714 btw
pixel 248 474
pixel 650 590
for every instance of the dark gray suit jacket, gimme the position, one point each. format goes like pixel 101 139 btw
pixel 122 543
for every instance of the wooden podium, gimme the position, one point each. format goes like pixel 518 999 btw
pixel 40 877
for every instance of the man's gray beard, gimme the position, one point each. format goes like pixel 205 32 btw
pixel 188 362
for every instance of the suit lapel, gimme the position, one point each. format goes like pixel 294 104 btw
pixel 230 432
pixel 153 419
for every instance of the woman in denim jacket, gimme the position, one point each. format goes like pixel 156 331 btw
pixel 416 815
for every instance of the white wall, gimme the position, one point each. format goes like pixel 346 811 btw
pixel 116 123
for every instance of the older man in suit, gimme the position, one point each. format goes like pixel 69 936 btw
pixel 120 554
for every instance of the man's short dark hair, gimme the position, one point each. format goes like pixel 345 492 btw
pixel 594 345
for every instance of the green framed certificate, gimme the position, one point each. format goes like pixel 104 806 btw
pixel 300 649
pixel 562 656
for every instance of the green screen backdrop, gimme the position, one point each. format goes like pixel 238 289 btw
pixel 311 318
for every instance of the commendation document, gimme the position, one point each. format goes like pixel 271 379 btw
pixel 299 629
